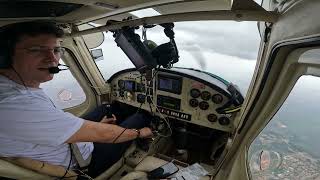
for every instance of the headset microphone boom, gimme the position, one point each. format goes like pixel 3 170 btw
pixel 55 70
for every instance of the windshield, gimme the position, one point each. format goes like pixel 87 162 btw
pixel 224 48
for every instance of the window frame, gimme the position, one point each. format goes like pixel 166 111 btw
pixel 287 51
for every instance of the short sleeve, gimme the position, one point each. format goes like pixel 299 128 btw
pixel 36 120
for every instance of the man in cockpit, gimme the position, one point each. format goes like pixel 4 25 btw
pixel 31 125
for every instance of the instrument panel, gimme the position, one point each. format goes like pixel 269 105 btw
pixel 179 94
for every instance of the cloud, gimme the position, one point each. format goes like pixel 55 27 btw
pixel 240 39
pixel 233 69
pixel 196 53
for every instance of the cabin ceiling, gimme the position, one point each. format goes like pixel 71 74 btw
pixel 82 11
pixel 100 11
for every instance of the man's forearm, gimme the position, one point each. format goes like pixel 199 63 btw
pixel 126 135
pixel 103 133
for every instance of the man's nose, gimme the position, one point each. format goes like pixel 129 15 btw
pixel 52 56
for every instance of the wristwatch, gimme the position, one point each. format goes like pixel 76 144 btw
pixel 138 132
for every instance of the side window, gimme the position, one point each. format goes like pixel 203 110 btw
pixel 64 90
pixel 113 60
pixel 288 147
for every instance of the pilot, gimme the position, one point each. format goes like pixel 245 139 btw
pixel 31 124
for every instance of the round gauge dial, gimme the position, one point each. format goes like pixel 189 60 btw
pixel 212 118
pixel 195 93
pixel 217 98
pixel 205 95
pixel 204 105
pixel 193 103
pixel 224 121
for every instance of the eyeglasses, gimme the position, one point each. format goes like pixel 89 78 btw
pixel 43 51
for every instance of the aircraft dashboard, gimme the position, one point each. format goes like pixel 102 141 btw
pixel 182 94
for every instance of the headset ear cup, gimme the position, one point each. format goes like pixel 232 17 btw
pixel 5 60
pixel 150 45
pixel 164 53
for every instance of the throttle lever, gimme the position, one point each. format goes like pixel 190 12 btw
pixel 108 111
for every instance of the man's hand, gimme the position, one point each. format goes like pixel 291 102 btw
pixel 145 132
pixel 109 120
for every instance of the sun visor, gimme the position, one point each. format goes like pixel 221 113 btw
pixel 92 40
pixel 194 6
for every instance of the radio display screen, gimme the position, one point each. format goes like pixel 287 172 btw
pixel 129 85
pixel 170 84
pixel 168 102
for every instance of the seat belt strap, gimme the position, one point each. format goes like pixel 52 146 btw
pixel 77 154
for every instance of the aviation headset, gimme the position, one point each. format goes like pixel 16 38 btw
pixel 165 54
pixel 153 55
pixel 6 47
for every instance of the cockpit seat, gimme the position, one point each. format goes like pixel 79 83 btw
pixel 25 168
